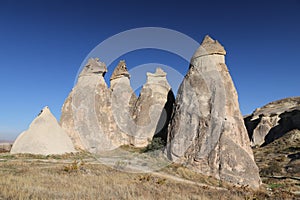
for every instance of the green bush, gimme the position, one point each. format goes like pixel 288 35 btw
pixel 155 144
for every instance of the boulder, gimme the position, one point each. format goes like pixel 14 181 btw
pixel 206 132
pixel 44 137
pixel 273 120
pixel 153 109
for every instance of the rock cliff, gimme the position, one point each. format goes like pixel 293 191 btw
pixel 123 101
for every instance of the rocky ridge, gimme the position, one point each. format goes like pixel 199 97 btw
pixel 273 120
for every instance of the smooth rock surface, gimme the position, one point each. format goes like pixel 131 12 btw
pixel 78 114
pixel 44 137
pixel 153 109
pixel 207 132
pixel 273 120
pixel 123 101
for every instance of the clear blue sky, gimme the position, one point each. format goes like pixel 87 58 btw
pixel 42 45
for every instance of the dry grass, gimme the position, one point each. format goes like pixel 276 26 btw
pixel 80 177
pixel 273 160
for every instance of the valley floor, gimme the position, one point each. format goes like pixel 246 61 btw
pixel 81 176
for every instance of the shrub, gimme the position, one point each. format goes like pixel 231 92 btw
pixel 155 144
pixel 73 167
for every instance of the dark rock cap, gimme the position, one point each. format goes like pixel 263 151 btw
pixel 120 71
pixel 94 66
pixel 209 46
pixel 158 73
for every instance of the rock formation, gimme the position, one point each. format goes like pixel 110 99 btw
pixel 207 132
pixel 87 112
pixel 78 109
pixel 123 100
pixel 96 117
pixel 5 147
pixel 44 137
pixel 273 120
pixel 153 109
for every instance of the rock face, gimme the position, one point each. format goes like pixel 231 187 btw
pixel 87 112
pixel 153 109
pixel 78 110
pixel 44 137
pixel 207 132
pixel 96 117
pixel 273 120
pixel 123 100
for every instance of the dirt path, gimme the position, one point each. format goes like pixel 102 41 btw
pixel 159 174
pixel 182 180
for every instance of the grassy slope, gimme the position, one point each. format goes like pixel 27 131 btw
pixel 34 177
pixel 81 176
pixel 276 160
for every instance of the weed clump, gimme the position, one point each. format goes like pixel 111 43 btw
pixel 154 145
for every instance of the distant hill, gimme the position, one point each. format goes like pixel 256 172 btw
pixel 6 141
pixel 274 131
pixel 273 120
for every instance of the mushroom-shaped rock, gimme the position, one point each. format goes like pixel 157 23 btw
pixel 44 137
pixel 209 47
pixel 153 109
pixel 207 131
pixel 123 100
pixel 78 114
pixel 273 120
pixel 120 71
pixel 86 114
pixel 94 66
